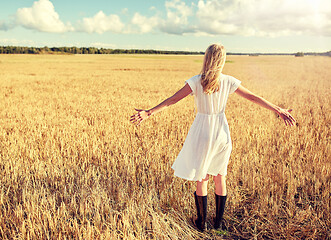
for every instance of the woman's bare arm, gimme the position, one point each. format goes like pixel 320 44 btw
pixel 283 113
pixel 144 114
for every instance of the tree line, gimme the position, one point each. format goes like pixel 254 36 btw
pixel 94 50
pixel 85 50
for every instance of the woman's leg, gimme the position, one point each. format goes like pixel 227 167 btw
pixel 202 187
pixel 220 199
pixel 220 185
pixel 200 196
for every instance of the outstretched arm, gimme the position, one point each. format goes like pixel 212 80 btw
pixel 283 113
pixel 144 114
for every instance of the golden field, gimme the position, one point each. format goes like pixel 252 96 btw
pixel 73 167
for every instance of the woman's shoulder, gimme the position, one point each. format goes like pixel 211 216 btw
pixel 231 82
pixel 227 77
pixel 195 79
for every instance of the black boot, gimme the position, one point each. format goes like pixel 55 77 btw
pixel 201 204
pixel 220 205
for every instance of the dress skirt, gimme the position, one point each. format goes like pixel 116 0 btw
pixel 206 149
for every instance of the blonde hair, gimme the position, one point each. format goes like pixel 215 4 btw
pixel 213 64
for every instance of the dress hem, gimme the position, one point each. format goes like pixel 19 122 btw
pixel 186 178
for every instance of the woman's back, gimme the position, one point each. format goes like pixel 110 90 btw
pixel 212 103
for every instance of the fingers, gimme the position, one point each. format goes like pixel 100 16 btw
pixel 136 115
pixel 287 117
pixel 136 118
pixel 289 122
pixel 292 118
pixel 136 121
pixel 133 117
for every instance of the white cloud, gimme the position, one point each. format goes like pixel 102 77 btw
pixel 241 17
pixel 42 17
pixel 175 22
pixel 264 17
pixel 177 18
pixel 177 12
pixel 101 23
pixel 203 18
pixel 144 24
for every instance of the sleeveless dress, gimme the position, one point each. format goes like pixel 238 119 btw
pixel 207 146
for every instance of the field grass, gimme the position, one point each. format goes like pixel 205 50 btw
pixel 73 167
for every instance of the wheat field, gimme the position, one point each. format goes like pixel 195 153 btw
pixel 73 167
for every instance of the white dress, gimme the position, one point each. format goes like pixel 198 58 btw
pixel 207 147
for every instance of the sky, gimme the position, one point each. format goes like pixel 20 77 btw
pixel 242 26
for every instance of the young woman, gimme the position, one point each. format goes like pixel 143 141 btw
pixel 207 147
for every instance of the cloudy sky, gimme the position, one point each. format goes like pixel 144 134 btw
pixel 241 25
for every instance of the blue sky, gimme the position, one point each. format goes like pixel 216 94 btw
pixel 240 25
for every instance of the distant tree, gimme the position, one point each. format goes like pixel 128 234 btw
pixel 84 50
pixel 78 50
pixel 25 50
pixel 92 50
pixel 299 54
pixel 35 50
pixel 9 50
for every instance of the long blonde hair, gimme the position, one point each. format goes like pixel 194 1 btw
pixel 213 64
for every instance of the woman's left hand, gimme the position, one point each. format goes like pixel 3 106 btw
pixel 140 116
pixel 286 116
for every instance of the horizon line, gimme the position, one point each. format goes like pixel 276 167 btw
pixel 147 50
